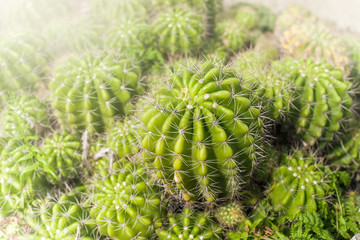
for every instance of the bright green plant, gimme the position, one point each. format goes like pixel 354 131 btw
pixel 190 225
pixel 230 214
pixel 231 34
pixel 88 92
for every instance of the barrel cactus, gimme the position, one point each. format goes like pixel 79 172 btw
pixel 353 45
pixel 323 99
pixel 231 35
pixel 66 217
pixel 63 151
pixel 126 203
pixel 22 60
pixel 179 31
pixel 299 184
pixel 190 225
pixel 88 92
pixel 202 135
pixel 230 214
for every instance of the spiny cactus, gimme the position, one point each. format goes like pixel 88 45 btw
pixel 300 184
pixel 323 99
pixel 22 60
pixel 230 214
pixel 124 138
pixel 201 137
pixel 315 42
pixel 127 205
pixel 64 218
pixel 190 225
pixel 136 40
pixel 231 35
pixel 23 110
pixel 353 45
pixel 88 92
pixel 63 153
pixel 257 16
pixel 179 31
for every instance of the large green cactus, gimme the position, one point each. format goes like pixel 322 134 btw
pixel 323 100
pixel 190 225
pixel 22 60
pixel 66 217
pixel 300 184
pixel 127 204
pixel 63 153
pixel 179 31
pixel 88 92
pixel 202 135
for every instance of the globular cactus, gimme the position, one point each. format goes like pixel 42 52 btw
pixel 323 99
pixel 179 31
pixel 66 217
pixel 231 35
pixel 88 92
pixel 230 215
pixel 136 40
pixel 352 44
pixel 124 138
pixel 300 184
pixel 315 42
pixel 201 138
pixel 23 111
pixel 22 60
pixel 251 16
pixel 63 153
pixel 126 203
pixel 190 225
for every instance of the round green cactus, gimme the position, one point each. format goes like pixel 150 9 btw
pixel 190 225
pixel 299 184
pixel 64 218
pixel 353 45
pixel 202 135
pixel 323 100
pixel 179 31
pixel 231 34
pixel 22 60
pixel 88 92
pixel 63 153
pixel 127 205
pixel 230 215
pixel 124 138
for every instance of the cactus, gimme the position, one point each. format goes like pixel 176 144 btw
pixel 315 42
pixel 89 92
pixel 323 99
pixel 22 60
pixel 179 32
pixel 300 184
pixel 124 138
pixel 190 225
pixel 353 45
pixel 231 34
pixel 64 218
pixel 23 110
pixel 230 214
pixel 63 154
pixel 127 205
pixel 202 135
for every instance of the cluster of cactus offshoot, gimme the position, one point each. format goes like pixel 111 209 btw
pixel 163 119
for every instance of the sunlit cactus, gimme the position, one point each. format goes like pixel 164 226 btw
pixel 323 99
pixel 179 31
pixel 201 138
pixel 126 203
pixel 300 184
pixel 88 92
pixel 190 225
pixel 230 214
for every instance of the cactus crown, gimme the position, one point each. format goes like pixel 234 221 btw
pixel 230 215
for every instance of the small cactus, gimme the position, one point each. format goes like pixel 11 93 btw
pixel 201 137
pixel 353 45
pixel 231 34
pixel 190 225
pixel 127 205
pixel 179 31
pixel 323 99
pixel 230 215
pixel 89 92
pixel 63 151
pixel 299 184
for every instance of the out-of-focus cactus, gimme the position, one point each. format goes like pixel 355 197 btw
pixel 88 92
pixel 231 34
pixel 201 138
pixel 190 225
pixel 353 45
pixel 179 31
pixel 127 204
